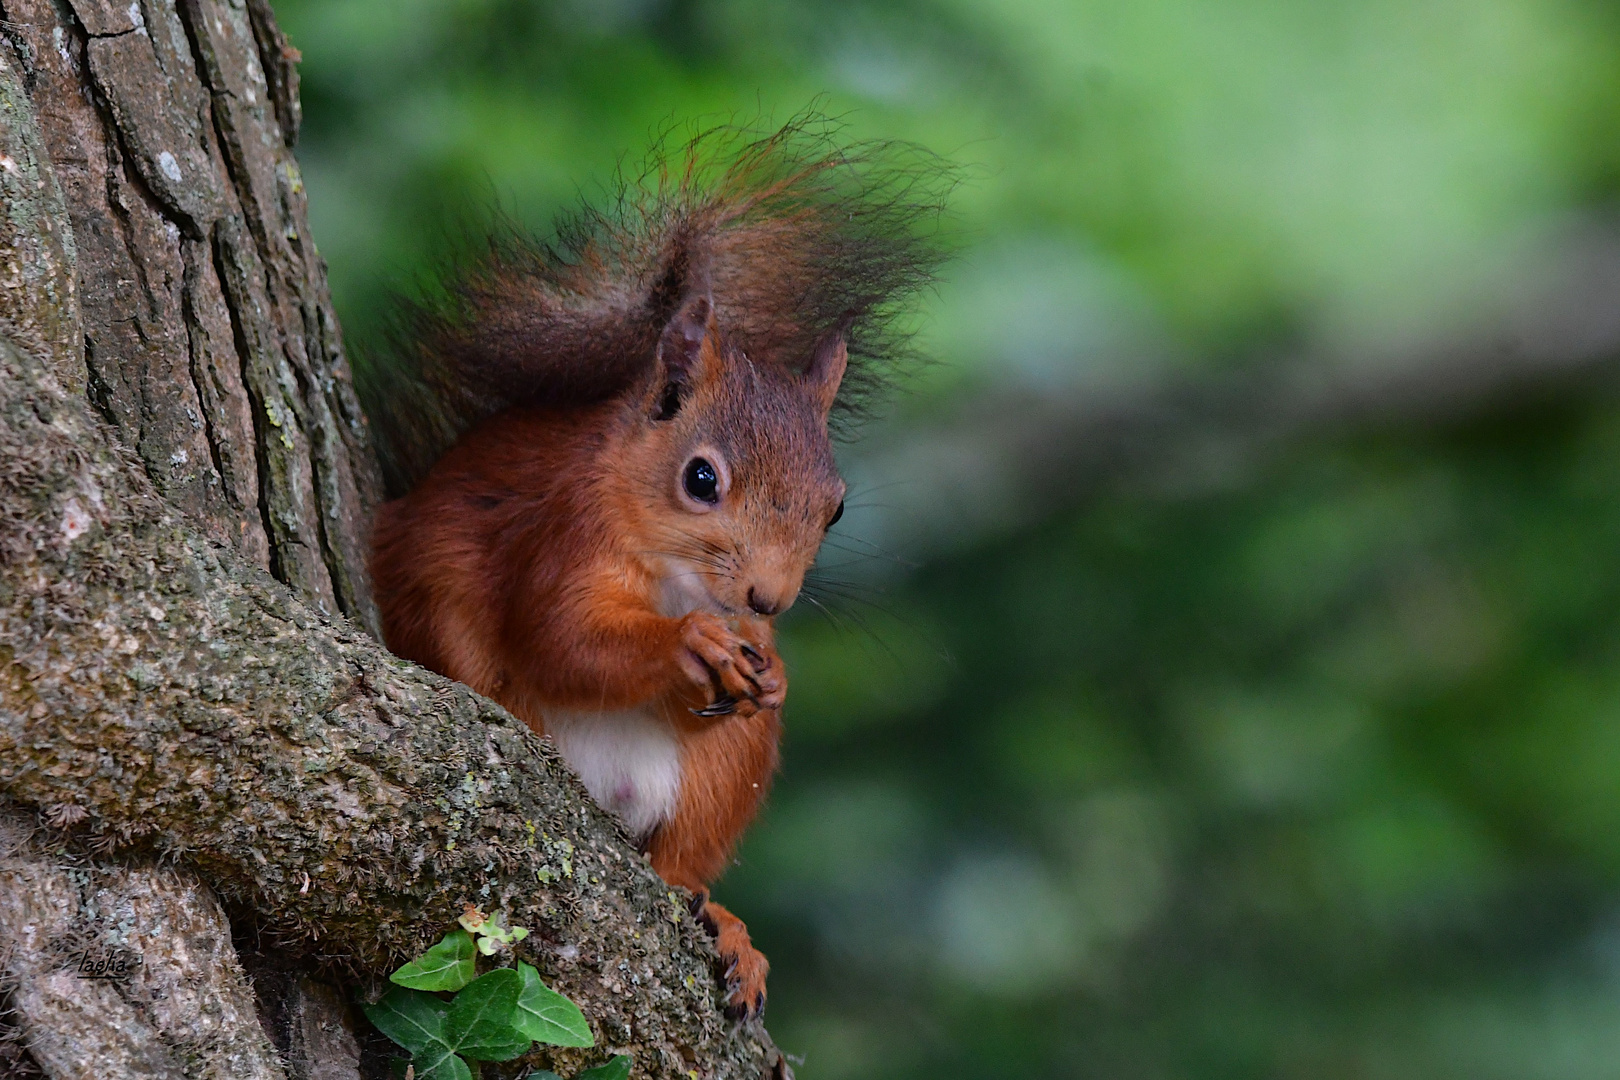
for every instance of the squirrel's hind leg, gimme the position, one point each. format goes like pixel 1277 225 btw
pixel 745 966
pixel 725 771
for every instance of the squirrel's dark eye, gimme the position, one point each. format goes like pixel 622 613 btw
pixel 701 481
pixel 838 513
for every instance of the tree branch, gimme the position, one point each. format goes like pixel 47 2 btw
pixel 177 425
pixel 182 1006
pixel 183 703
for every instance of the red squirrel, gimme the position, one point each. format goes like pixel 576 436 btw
pixel 639 473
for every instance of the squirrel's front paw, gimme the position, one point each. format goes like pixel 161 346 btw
pixel 740 676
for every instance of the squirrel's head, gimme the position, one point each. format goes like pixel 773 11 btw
pixel 734 483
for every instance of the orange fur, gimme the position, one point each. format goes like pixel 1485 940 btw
pixel 541 414
pixel 553 561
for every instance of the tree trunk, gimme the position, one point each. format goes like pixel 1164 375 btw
pixel 195 718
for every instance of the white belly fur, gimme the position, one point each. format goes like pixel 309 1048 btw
pixel 629 760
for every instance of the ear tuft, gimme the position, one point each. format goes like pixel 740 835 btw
pixel 680 354
pixel 682 339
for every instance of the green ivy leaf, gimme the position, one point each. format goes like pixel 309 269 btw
pixel 440 1065
pixel 546 1016
pixel 446 966
pixel 411 1018
pixel 419 1023
pixel 450 1071
pixel 480 1022
pixel 617 1069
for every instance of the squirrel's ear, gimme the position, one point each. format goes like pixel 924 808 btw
pixel 682 355
pixel 826 370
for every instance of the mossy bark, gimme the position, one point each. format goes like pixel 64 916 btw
pixel 191 697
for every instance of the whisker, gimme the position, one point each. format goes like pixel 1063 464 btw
pixel 834 619
pixel 846 620
pixel 854 545
pixel 842 617
pixel 863 490
pixel 872 506
pixel 819 576
pixel 704 559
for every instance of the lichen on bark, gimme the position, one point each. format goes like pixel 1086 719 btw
pixel 190 692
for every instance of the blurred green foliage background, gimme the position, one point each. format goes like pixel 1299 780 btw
pixel 1131 744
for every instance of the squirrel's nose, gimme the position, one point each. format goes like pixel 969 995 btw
pixel 764 605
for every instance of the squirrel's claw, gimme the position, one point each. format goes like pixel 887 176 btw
pixel 724 705
pixel 768 688
pixel 743 1010
pixel 742 677
pixel 745 966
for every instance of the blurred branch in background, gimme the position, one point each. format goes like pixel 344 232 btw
pixel 1252 720
pixel 1005 459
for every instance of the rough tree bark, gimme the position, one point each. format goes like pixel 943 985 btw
pixel 194 716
